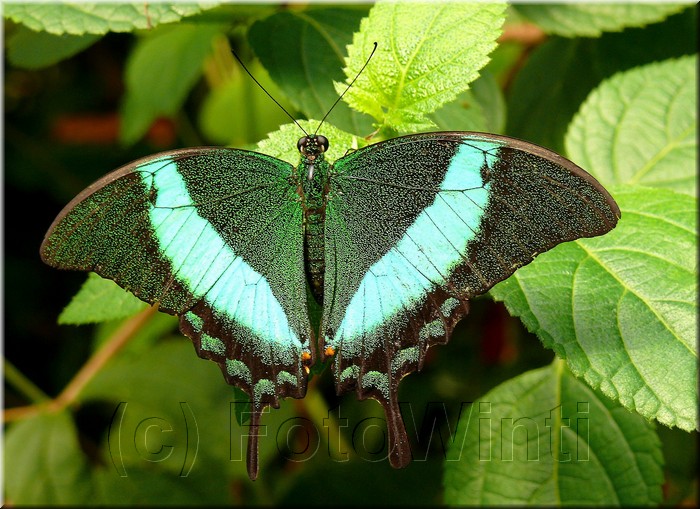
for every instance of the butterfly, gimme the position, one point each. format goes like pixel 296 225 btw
pixel 392 240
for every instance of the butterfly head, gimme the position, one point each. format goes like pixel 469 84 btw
pixel 312 148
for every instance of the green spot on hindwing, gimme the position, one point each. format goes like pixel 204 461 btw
pixel 404 356
pixel 448 306
pixel 264 386
pixel 286 377
pixel 238 369
pixel 212 344
pixel 195 321
pixel 377 380
pixel 434 329
pixel 349 373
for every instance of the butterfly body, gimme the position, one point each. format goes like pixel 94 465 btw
pixel 314 172
pixel 393 239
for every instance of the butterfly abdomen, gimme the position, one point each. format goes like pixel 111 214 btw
pixel 314 199
pixel 314 252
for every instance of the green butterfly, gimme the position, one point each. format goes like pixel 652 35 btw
pixel 393 240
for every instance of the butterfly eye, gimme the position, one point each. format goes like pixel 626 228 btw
pixel 322 142
pixel 302 144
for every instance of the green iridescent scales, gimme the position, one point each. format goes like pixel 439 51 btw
pixel 393 239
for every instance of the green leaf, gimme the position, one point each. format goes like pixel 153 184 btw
pixel 240 409
pixel 98 18
pixel 621 309
pixel 544 438
pixel 559 74
pixel 237 112
pixel 592 19
pixel 306 56
pixel 481 108
pixel 160 73
pixel 47 466
pixel 44 462
pixel 34 50
pixel 100 300
pixel 426 55
pixel 282 144
pixel 631 133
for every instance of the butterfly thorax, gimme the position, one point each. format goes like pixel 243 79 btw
pixel 313 173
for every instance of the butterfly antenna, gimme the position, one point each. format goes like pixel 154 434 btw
pixel 347 88
pixel 268 93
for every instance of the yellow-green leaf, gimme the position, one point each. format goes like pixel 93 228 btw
pixel 640 127
pixel 98 18
pixel 427 53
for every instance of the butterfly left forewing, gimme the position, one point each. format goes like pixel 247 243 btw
pixel 416 226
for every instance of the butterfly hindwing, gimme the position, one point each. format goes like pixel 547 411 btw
pixel 416 226
pixel 191 231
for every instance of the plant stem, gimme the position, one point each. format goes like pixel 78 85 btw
pixel 23 384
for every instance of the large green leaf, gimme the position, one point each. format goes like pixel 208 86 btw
pixel 481 108
pixel 98 18
pixel 559 74
pixel 426 55
pixel 621 309
pixel 544 438
pixel 633 133
pixel 236 112
pixel 34 50
pixel 156 82
pixel 44 464
pixel 100 300
pixel 591 19
pixel 306 55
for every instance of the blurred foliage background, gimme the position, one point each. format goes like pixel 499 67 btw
pixel 73 112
